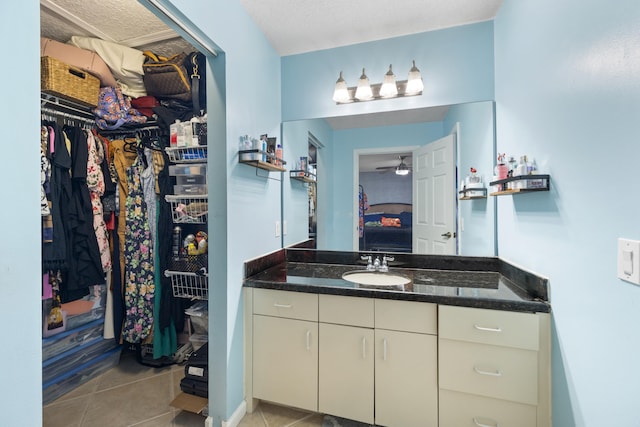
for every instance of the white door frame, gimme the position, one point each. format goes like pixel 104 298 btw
pixel 356 181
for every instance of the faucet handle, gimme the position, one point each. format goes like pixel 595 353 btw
pixel 369 261
pixel 386 258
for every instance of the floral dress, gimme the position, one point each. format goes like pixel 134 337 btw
pixel 139 270
pixel 95 182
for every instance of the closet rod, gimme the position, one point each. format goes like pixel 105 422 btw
pixel 56 113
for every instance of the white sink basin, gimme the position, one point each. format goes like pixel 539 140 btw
pixel 376 278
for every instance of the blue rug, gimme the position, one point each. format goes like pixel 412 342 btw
pixel 331 421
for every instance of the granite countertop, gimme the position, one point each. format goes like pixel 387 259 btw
pixel 504 289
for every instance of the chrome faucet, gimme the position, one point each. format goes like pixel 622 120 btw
pixel 367 258
pixel 385 267
pixel 377 264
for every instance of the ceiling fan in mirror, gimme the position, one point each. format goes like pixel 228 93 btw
pixel 401 169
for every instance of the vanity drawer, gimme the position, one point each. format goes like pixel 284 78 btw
pixel 408 316
pixel 343 310
pixel 504 328
pixel 487 370
pixel 466 410
pixel 292 305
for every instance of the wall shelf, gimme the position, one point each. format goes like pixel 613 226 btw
pixel 523 184
pixel 303 176
pixel 470 193
pixel 247 158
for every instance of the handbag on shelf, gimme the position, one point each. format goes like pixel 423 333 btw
pixel 166 77
pixel 179 78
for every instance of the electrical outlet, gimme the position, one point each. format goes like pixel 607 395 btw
pixel 277 228
pixel 629 260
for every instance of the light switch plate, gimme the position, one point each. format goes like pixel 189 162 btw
pixel 629 260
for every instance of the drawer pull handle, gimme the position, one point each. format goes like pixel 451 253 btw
pixel 484 328
pixel 308 340
pixel 275 304
pixel 479 424
pixel 384 349
pixel 364 343
pixel 496 373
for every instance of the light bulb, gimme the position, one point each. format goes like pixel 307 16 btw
pixel 414 83
pixel 341 92
pixel 363 91
pixel 389 88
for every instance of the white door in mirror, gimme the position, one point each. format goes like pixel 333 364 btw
pixel 629 260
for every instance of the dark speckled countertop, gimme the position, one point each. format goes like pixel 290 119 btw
pixel 464 281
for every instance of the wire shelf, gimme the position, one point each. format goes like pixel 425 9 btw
pixel 188 285
pixel 187 154
pixel 192 210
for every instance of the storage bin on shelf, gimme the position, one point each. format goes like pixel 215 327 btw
pixel 65 81
pixel 188 285
pixel 187 154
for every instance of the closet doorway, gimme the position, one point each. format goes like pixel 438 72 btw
pixel 128 23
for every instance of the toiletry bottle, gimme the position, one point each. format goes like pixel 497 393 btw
pixel 264 149
pixel 279 155
pixel 173 134
pixel 182 142
pixel 187 131
pixel 194 126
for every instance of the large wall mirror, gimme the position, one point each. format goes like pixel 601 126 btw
pixel 358 199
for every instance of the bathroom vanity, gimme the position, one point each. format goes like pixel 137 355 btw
pixel 466 342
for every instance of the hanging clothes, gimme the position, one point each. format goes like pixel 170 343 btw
pixel 54 249
pixel 83 253
pixel 138 254
pixel 96 185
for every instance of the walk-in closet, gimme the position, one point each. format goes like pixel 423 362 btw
pixel 125 217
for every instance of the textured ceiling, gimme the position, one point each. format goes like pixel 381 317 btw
pixel 125 22
pixel 297 26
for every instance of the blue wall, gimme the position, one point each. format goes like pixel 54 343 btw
pixel 568 94
pixel 20 275
pixel 386 187
pixel 295 136
pixel 252 200
pixel 456 65
pixel 476 138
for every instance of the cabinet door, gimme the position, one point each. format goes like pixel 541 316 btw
pixel 285 361
pixel 345 385
pixel 406 379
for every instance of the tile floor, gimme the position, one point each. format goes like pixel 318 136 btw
pixel 134 395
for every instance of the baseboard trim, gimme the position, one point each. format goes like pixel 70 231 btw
pixel 237 415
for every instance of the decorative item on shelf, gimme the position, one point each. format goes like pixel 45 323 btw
pixel 472 186
pixel 523 184
pixel 389 88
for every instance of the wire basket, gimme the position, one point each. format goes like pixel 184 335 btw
pixel 187 154
pixel 68 82
pixel 190 263
pixel 191 210
pixel 188 285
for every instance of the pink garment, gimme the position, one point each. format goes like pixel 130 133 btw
pixel 95 182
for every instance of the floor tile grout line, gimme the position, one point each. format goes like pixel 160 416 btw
pixel 131 382
pixel 149 419
pixel 311 415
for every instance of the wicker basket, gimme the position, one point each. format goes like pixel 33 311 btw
pixel 68 82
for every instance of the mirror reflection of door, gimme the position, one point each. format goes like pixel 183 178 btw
pixel 434 180
pixel 406 200
pixel 313 198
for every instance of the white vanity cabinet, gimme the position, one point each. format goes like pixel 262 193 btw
pixel 493 368
pixel 406 364
pixel 346 357
pixel 285 348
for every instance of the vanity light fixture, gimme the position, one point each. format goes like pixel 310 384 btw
pixel 389 88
